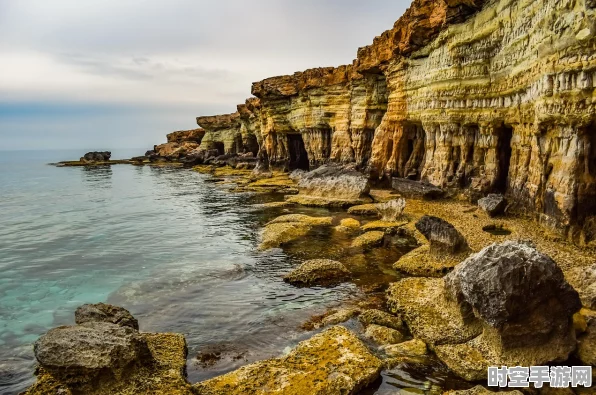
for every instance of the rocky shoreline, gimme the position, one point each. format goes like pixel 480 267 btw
pixel 467 299
pixel 460 141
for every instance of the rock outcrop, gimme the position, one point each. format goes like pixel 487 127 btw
pixel 506 305
pixel 105 354
pixel 333 362
pixel 180 144
pixel 443 236
pixel 96 156
pixel 318 272
pixel 471 96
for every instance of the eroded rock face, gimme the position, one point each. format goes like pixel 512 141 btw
pixel 334 362
pixel 464 95
pixel 443 236
pixel 517 290
pixel 102 312
pixel 392 210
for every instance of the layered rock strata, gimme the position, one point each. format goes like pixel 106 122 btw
pixel 475 96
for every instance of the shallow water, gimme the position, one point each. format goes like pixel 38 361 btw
pixel 178 252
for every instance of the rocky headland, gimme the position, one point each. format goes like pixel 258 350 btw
pixel 456 161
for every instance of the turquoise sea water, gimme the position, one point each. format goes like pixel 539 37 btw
pixel 179 253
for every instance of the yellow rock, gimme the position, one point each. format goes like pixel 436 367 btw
pixel 369 240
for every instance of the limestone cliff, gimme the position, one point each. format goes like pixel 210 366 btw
pixel 474 96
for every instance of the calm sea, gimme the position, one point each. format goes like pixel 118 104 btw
pixel 179 253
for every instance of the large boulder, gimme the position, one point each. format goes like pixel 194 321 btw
pixel 102 312
pixel 91 351
pixel 334 362
pixel 96 156
pixel 493 204
pixel 443 236
pixel 517 290
pixel 318 272
pixel 332 185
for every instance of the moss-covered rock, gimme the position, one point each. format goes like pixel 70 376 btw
pixel 288 228
pixel 364 209
pixel 369 240
pixel 427 312
pixel 383 335
pixel 420 262
pixel 383 225
pixel 318 272
pixel 348 225
pixel 378 317
pixel 414 347
pixel 334 362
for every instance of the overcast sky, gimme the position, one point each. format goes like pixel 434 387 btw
pixel 123 73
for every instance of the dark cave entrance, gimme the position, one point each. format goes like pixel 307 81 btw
pixel 504 156
pixel 219 146
pixel 298 155
pixel 414 151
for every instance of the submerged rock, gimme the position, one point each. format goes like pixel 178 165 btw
pixel 289 227
pixel 443 236
pixel 480 390
pixel 318 272
pixel 493 204
pixel 348 225
pixel 392 210
pixel 334 362
pixel 102 312
pixel 369 240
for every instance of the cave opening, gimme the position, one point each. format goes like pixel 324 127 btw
pixel 414 153
pixel 298 154
pixel 504 155
pixel 252 145
pixel 219 146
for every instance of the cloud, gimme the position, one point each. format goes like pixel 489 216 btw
pixel 196 55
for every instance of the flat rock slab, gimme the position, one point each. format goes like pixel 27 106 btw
pixel 318 272
pixel 320 201
pixel 427 312
pixel 383 225
pixel 416 189
pixel 287 228
pixel 420 262
pixel 365 209
pixel 334 362
pixel 369 240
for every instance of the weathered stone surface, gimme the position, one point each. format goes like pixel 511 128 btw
pixel 494 204
pixel 416 189
pixel 334 362
pixel 318 272
pixel 513 287
pixel 383 226
pixel 96 156
pixel 194 135
pixel 369 239
pixel 392 210
pixel 348 225
pixel 414 347
pixel 583 279
pixel 342 315
pixel 378 317
pixel 383 335
pixel 365 209
pixel 83 353
pixel 430 316
pixel 332 185
pixel 102 312
pixel 443 236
